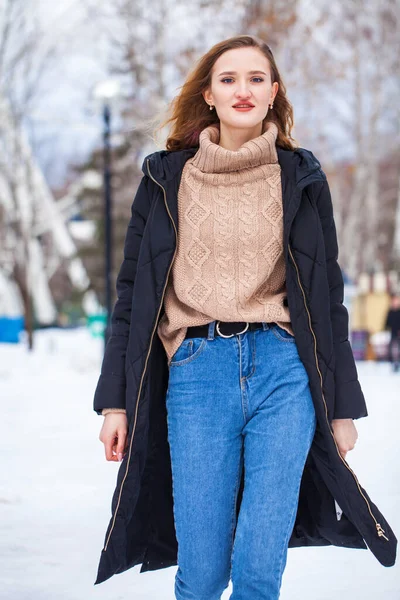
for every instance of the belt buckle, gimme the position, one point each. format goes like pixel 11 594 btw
pixel 231 334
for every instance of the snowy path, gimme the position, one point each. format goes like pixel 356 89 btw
pixel 56 486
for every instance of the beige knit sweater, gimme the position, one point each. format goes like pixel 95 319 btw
pixel 229 263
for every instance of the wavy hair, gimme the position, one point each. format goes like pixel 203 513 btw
pixel 190 114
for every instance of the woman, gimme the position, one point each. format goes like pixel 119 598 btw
pixel 229 350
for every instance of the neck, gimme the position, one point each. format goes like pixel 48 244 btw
pixel 232 139
pixel 212 157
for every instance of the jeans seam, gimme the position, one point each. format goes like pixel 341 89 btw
pixel 295 508
pixel 199 350
pixel 238 477
pixel 286 539
pixel 281 338
pixel 241 379
pixel 253 356
pixel 234 511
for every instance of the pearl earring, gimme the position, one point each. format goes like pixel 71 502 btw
pixel 271 105
pixel 211 107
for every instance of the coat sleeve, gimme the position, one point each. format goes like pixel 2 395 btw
pixel 111 386
pixel 349 398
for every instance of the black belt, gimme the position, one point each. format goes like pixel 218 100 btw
pixel 222 328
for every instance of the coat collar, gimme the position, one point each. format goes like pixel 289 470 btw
pixel 299 168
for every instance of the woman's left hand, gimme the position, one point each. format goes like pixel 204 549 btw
pixel 345 434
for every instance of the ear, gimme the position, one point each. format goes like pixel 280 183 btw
pixel 207 96
pixel 275 88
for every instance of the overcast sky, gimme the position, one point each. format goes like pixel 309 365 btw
pixel 66 123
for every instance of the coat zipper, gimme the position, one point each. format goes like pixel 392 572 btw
pixel 145 365
pixel 380 530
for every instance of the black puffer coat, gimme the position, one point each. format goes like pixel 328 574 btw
pixel 134 373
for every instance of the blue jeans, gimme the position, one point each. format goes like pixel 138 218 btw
pixel 236 402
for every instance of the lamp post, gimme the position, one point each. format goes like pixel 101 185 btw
pixel 107 93
pixel 107 217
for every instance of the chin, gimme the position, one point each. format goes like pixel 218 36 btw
pixel 242 123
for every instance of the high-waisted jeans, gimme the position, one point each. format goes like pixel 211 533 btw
pixel 234 403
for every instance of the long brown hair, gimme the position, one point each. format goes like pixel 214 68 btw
pixel 190 114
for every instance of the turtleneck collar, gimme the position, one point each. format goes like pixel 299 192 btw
pixel 213 158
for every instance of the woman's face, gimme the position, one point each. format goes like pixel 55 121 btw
pixel 241 75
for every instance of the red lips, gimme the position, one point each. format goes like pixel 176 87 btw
pixel 249 104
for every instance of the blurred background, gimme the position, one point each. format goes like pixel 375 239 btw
pixel 67 66
pixel 79 81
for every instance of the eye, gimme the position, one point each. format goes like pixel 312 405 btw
pixel 230 79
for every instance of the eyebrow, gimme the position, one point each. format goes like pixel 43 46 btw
pixel 234 73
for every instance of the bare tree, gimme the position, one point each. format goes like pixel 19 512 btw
pixel 341 67
pixel 151 47
pixel 340 64
pixel 24 58
pixel 373 71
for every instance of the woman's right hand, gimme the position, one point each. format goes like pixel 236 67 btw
pixel 113 435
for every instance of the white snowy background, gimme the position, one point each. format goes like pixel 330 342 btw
pixel 56 486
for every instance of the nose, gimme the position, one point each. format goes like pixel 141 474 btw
pixel 242 91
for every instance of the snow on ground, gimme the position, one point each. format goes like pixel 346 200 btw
pixel 56 486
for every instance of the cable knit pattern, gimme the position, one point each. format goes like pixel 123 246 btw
pixel 229 263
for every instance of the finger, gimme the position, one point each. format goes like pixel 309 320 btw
pixel 121 444
pixel 114 452
pixel 108 447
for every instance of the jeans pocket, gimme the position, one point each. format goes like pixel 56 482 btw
pixel 282 334
pixel 189 349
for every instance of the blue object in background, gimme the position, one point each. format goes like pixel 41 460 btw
pixel 359 343
pixel 10 329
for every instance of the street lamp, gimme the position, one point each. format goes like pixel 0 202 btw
pixel 107 93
